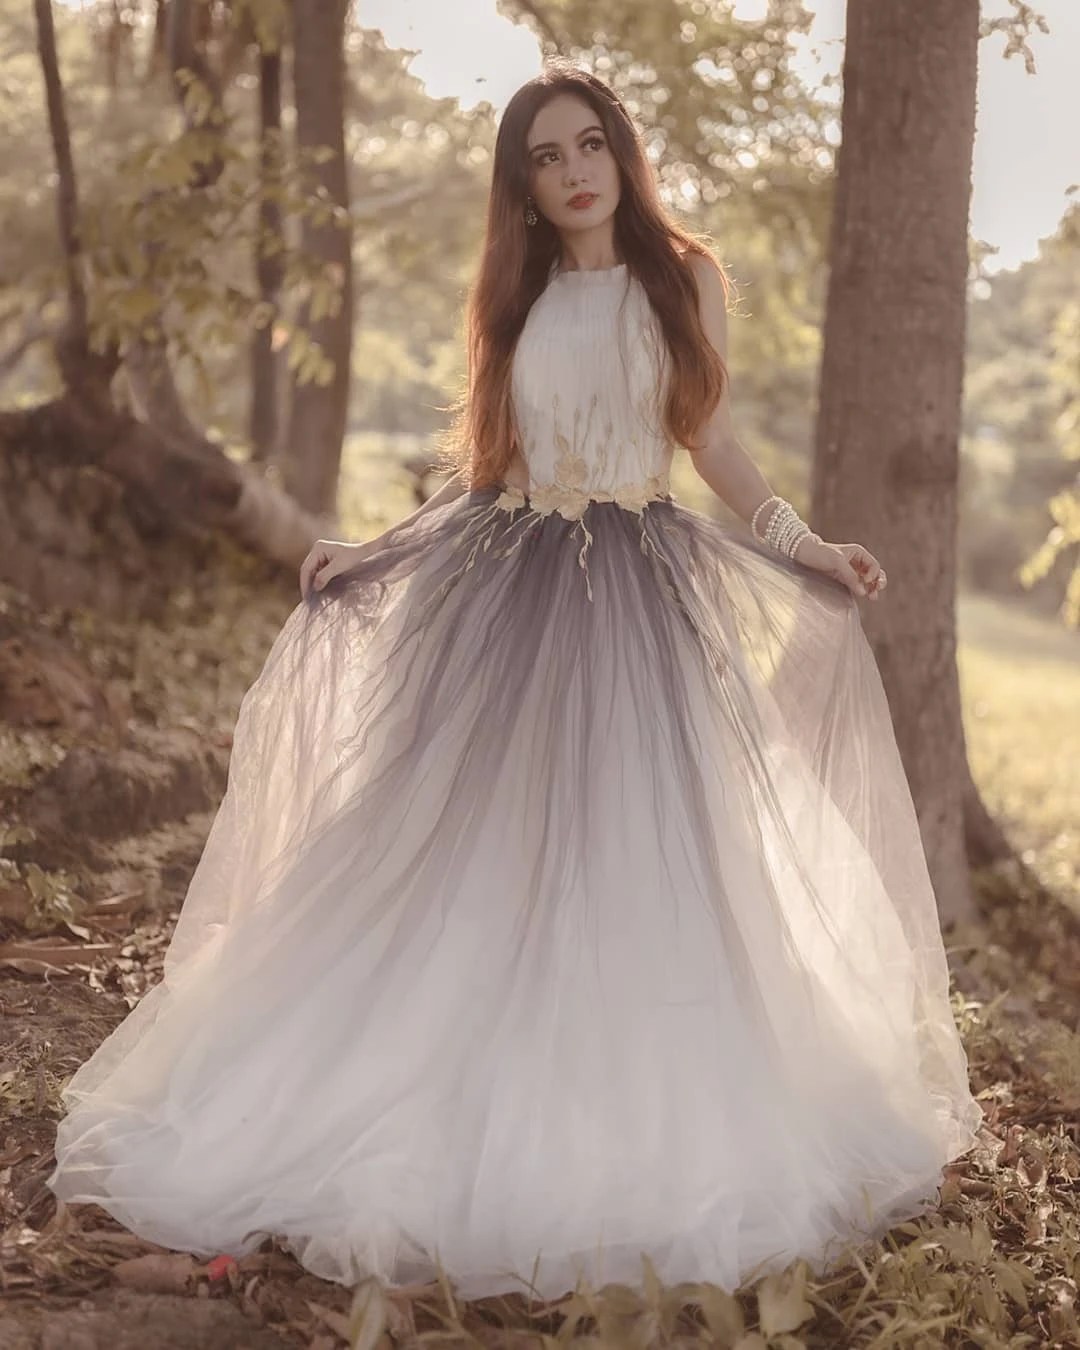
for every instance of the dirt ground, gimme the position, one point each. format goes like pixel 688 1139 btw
pixel 114 747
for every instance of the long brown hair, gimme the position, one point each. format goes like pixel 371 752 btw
pixel 515 265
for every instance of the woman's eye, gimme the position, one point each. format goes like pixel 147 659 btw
pixel 548 156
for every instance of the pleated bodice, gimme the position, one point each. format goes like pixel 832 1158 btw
pixel 588 373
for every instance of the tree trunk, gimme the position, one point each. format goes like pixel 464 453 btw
pixel 79 367
pixel 268 260
pixel 157 60
pixel 886 455
pixel 311 454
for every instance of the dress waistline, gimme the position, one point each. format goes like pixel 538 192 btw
pixel 572 502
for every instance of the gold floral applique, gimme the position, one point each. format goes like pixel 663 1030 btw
pixel 636 496
pixel 570 503
pixel 511 498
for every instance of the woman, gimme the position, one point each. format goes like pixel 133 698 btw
pixel 566 902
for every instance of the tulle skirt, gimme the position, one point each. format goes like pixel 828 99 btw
pixel 566 903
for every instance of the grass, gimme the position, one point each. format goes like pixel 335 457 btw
pixel 1020 681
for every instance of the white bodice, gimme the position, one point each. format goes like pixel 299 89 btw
pixel 588 372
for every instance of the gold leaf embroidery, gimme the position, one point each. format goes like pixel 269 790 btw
pixel 571 470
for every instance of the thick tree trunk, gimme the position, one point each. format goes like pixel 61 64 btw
pixel 311 452
pixel 886 463
pixel 268 261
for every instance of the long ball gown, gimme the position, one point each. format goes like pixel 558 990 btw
pixel 566 901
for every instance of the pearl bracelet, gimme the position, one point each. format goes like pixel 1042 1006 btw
pixel 786 529
pixel 754 518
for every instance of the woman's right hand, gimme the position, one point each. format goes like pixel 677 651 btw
pixel 327 559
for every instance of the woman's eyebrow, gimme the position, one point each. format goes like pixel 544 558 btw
pixel 554 145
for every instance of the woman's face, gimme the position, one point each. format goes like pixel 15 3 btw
pixel 573 176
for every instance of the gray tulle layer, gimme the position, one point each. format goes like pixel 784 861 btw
pixel 566 903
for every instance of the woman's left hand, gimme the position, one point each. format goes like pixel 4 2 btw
pixel 851 564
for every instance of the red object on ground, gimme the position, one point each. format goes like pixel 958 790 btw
pixel 219 1265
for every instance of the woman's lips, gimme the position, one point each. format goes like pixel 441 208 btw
pixel 582 200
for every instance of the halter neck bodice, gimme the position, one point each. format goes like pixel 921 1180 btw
pixel 587 377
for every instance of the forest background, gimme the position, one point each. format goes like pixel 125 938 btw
pixel 237 239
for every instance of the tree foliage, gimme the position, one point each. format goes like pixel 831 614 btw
pixel 1021 396
pixel 1062 543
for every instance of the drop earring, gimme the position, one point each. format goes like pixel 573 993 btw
pixel 530 212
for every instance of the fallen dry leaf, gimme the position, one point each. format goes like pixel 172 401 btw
pixel 367 1315
pixel 157 1273
pixel 337 1322
pixel 782 1302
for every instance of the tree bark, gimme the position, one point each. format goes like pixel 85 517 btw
pixel 310 457
pixel 67 197
pixel 886 455
pixel 78 366
pixel 268 261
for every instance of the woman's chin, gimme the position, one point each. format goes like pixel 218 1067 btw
pixel 589 219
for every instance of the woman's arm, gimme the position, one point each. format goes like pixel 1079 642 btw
pixel 722 462
pixel 328 558
pixel 727 468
